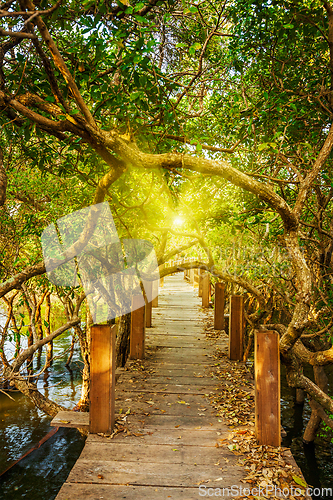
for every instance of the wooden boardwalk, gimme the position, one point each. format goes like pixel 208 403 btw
pixel 171 446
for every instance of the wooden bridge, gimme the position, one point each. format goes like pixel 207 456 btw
pixel 169 444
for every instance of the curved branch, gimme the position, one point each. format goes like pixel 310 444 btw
pixel 16 281
pixel 130 153
pixel 28 352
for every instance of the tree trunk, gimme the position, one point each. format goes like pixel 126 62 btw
pixel 42 402
pixel 315 419
pixel 300 397
pixel 49 348
pixel 84 339
pixel 39 329
pixel 123 339
pixel 69 359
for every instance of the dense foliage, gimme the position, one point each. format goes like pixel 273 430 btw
pixel 214 114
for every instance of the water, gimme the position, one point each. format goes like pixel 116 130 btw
pixel 315 460
pixel 40 475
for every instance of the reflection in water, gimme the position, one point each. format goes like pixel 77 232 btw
pixel 315 460
pixel 40 475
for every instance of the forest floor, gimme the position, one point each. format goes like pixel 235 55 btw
pixel 185 420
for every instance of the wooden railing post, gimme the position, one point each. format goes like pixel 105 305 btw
pixel 201 275
pixel 236 327
pixel 219 306
pixel 162 279
pixel 155 294
pixel 196 277
pixel 138 326
pixel 149 290
pixel 102 378
pixel 192 276
pixel 267 388
pixel 205 290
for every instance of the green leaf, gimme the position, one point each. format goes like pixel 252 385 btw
pixel 140 19
pixel 139 6
pixel 288 26
pixel 300 481
pixel 262 146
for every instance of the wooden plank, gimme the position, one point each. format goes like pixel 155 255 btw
pixel 188 437
pixel 205 290
pixel 219 306
pixel 73 419
pixel 236 327
pixel 72 491
pixel 102 372
pixel 113 472
pixel 177 381
pixel 170 422
pixel 267 388
pixel 169 388
pixel 138 326
pixel 133 453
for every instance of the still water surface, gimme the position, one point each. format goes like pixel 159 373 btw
pixel 315 460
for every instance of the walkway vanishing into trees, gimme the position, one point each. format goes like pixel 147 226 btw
pixel 170 438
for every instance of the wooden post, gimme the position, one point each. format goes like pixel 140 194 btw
pixel 219 307
pixel 201 275
pixel 192 276
pixel 236 327
pixel 155 292
pixel 162 279
pixel 205 290
pixel 196 277
pixel 149 289
pixel 267 388
pixel 138 326
pixel 102 378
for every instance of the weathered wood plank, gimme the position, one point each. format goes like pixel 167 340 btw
pixel 154 435
pixel 168 388
pixel 162 454
pixel 180 474
pixel 73 419
pixel 70 491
